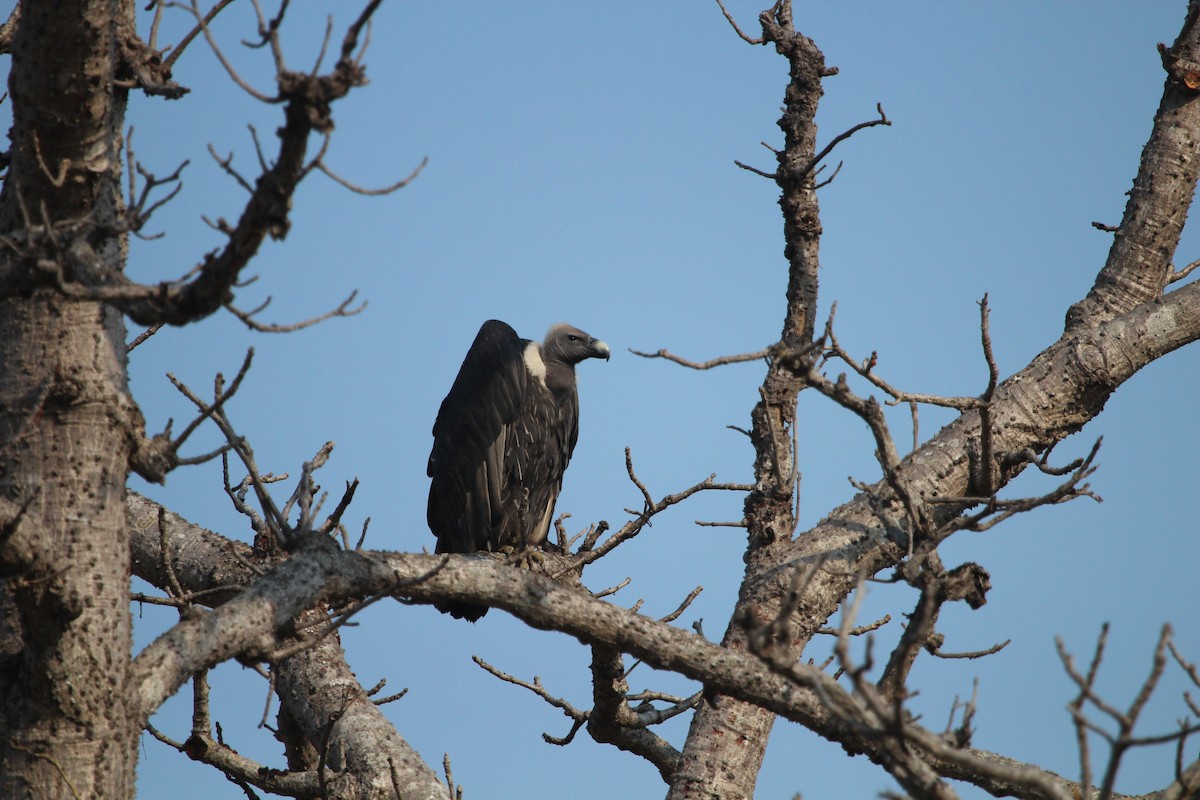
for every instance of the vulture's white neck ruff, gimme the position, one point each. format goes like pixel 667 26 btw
pixel 534 363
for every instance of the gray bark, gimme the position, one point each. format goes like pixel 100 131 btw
pixel 66 725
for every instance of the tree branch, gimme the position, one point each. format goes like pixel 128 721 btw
pixel 1139 259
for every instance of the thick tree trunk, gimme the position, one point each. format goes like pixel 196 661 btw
pixel 63 693
pixel 65 726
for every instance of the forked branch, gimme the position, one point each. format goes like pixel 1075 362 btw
pixel 1123 738
pixel 651 508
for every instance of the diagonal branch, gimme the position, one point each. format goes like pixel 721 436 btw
pixel 843 136
pixel 1139 259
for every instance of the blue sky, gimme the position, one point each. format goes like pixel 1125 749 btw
pixel 581 169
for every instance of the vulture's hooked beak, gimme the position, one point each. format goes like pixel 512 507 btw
pixel 599 349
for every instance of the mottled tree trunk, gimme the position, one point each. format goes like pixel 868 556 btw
pixel 727 740
pixel 65 726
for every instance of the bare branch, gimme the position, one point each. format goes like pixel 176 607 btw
pixel 971 654
pixel 843 136
pixel 612 589
pixel 578 718
pixel 687 601
pixel 1180 274
pixel 307 103
pixel 206 411
pixel 400 184
pixel 996 511
pixel 738 30
pixel 201 25
pixel 861 629
pixel 226 164
pixel 202 22
pixel 1126 721
pixel 247 317
pixel 865 369
pixel 240 769
pixel 769 175
pixel 612 721
pixel 143 336
pixel 712 362
pixel 636 481
pixel 350 42
pixel 588 552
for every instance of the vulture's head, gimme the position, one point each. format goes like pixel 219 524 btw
pixel 569 345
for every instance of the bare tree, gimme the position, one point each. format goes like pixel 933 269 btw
pixel 73 700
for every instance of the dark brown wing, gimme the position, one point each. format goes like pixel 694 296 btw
pixel 467 464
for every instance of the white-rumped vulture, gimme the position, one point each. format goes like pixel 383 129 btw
pixel 502 440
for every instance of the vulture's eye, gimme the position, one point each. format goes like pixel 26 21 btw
pixel 572 338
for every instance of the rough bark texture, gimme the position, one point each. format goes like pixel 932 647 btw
pixel 64 710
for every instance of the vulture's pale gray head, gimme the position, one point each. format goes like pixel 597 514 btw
pixel 568 345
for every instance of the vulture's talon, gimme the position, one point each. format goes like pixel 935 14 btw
pixel 526 558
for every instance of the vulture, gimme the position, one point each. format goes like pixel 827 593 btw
pixel 502 440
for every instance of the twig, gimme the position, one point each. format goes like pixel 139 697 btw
pixel 844 135
pixel 400 184
pixel 202 25
pixel 143 336
pixel 612 589
pixel 247 317
pixel 768 175
pixel 986 455
pixel 579 718
pixel 971 654
pixel 177 51
pixel 588 552
pixel 687 601
pixel 861 629
pixel 455 791
pixel 712 362
pixel 738 30
pixel 1180 274
pixel 636 481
